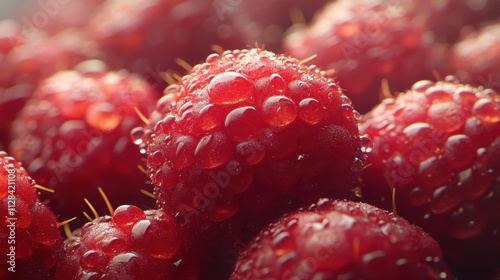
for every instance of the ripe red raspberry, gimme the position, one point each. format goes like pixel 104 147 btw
pixel 27 58
pixel 131 244
pixel 476 58
pixel 247 136
pixel 29 237
pixel 146 36
pixel 448 19
pixel 341 240
pixel 438 147
pixel 264 22
pixel 73 136
pixel 365 42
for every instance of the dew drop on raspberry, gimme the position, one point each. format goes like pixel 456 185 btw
pixel 211 117
pixel 277 83
pixel 422 86
pixel 242 123
pixel 230 88
pixel 113 246
pixel 465 221
pixel 446 116
pixel 156 158
pixel 311 111
pixel 250 151
pixel 465 97
pixel 432 173
pixel 487 110
pixel 278 111
pixel 184 154
pixel 127 215
pixel 459 150
pixel 136 135
pixel 213 150
pixel 103 116
pixel 160 239
pixel 444 199
pixel 366 144
pixel 90 259
pixel 438 94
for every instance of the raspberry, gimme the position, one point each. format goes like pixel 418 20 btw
pixel 130 244
pixel 147 36
pixel 264 22
pixel 476 58
pixel 366 42
pixel 29 237
pixel 341 240
pixel 27 58
pixel 247 136
pixel 73 136
pixel 437 147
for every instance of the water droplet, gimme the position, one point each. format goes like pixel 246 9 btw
pixel 366 144
pixel 230 88
pixel 278 83
pixel 487 110
pixel 311 111
pixel 242 123
pixel 213 150
pixel 90 259
pixel 103 116
pixel 278 111
pixel 348 111
pixel 113 246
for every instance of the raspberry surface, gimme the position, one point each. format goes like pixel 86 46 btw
pixel 147 36
pixel 247 136
pixel 26 58
pixel 29 237
pixel 73 136
pixel 438 147
pixel 476 58
pixel 365 42
pixel 335 239
pixel 130 244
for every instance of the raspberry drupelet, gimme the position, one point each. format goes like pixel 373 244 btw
pixel 131 244
pixel 29 236
pixel 249 135
pixel 340 239
pixel 438 148
pixel 73 136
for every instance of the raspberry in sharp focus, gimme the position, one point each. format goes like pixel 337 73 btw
pixel 29 236
pixel 131 244
pixel 247 136
pixel 438 147
pixel 341 240
pixel 73 136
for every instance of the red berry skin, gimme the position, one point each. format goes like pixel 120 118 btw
pixel 148 36
pixel 366 42
pixel 476 58
pixel 247 136
pixel 131 244
pixel 437 146
pixel 29 235
pixel 340 239
pixel 73 136
pixel 26 58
